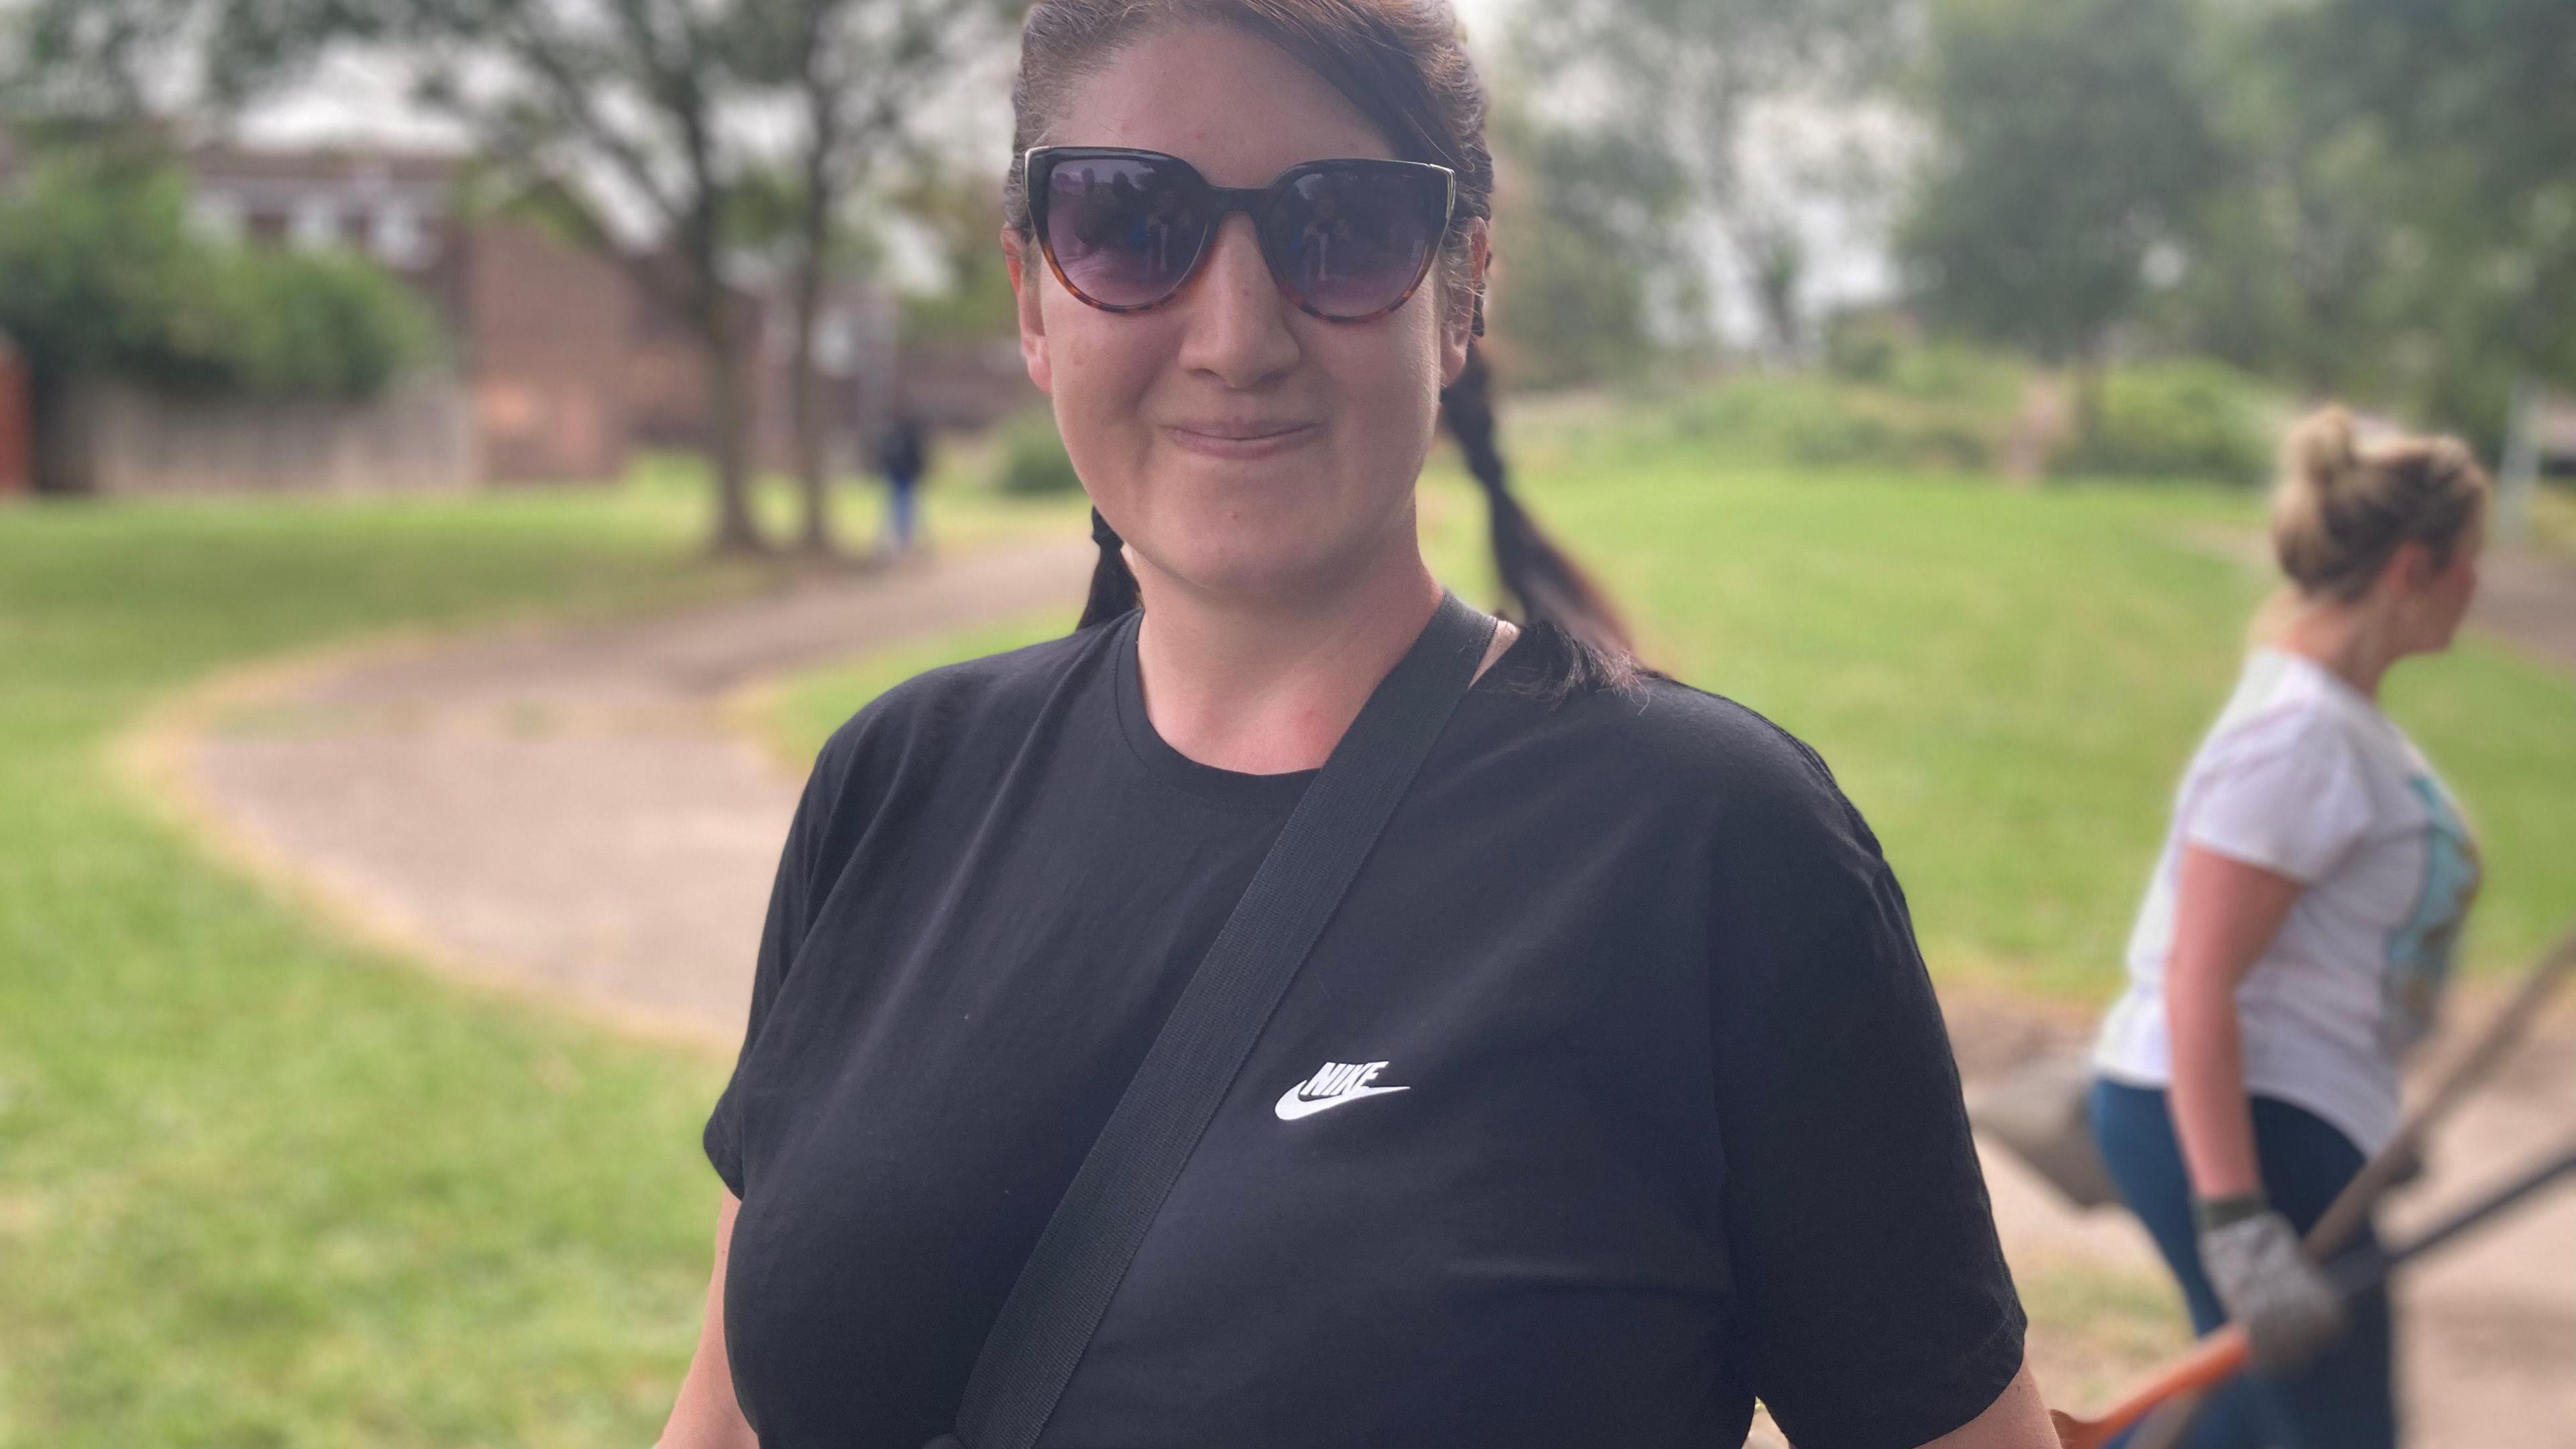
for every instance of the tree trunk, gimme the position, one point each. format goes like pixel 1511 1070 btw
pixel 2088 402
pixel 812 418
pixel 1779 266
pixel 822 91
pixel 729 429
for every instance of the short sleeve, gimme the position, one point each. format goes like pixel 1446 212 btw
pixel 792 898
pixel 2284 792
pixel 1878 1312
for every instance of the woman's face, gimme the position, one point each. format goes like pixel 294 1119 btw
pixel 1244 449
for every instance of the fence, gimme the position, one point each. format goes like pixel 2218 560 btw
pixel 114 438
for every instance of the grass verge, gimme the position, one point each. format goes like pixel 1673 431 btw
pixel 260 1187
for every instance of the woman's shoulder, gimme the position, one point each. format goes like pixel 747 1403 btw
pixel 1730 806
pixel 1662 744
pixel 936 710
pixel 2287 713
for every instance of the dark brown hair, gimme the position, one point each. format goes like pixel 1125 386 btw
pixel 1400 63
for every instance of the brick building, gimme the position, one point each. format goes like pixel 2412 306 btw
pixel 570 362
pixel 564 360
pixel 538 329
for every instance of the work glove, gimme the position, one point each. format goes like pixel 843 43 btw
pixel 2288 1308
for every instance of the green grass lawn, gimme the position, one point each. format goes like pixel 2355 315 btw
pixel 261 1188
pixel 2008 682
pixel 258 1187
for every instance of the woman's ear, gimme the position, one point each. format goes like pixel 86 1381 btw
pixel 1024 289
pixel 1462 317
pixel 2410 570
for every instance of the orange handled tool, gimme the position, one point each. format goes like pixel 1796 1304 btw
pixel 2220 1355
pixel 2214 1362
pixel 2351 1209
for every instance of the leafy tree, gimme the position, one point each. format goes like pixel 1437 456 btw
pixel 2074 140
pixel 327 324
pixel 1689 84
pixel 2472 109
pixel 101 274
pixel 104 63
pixel 858 71
pixel 2396 217
pixel 958 213
pixel 1582 243
pixel 617 110
pixel 646 125
pixel 633 115
pixel 2288 258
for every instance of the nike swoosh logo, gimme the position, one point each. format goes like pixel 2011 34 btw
pixel 1291 1106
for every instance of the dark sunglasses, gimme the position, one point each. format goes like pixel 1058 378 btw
pixel 1347 239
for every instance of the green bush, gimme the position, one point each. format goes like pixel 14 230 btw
pixel 1033 457
pixel 1955 372
pixel 1879 348
pixel 1862 345
pixel 2178 418
pixel 1819 421
pixel 102 272
pixel 323 325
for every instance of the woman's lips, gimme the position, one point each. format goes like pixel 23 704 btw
pixel 1242 440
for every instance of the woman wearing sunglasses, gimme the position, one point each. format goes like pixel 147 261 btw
pixel 1612 1094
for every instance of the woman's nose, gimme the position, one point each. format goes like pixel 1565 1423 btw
pixel 1237 324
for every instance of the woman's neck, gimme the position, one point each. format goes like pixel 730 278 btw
pixel 1268 686
pixel 2348 641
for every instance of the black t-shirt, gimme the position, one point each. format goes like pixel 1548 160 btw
pixel 1613 1096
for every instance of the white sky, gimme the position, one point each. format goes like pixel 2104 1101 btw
pixel 358 100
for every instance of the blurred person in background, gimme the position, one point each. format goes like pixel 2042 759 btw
pixel 2298 935
pixel 1635 1103
pixel 903 457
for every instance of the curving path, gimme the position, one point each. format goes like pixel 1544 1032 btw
pixel 2529 599
pixel 565 811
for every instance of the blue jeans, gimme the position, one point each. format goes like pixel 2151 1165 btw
pixel 2346 1399
pixel 902 511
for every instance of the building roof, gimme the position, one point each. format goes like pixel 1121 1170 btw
pixel 348 167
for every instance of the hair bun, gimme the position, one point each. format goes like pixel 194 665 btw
pixel 2323 450
pixel 2340 512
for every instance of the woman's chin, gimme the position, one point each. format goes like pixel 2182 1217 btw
pixel 1251 565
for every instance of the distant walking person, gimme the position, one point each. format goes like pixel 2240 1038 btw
pixel 903 457
pixel 2298 934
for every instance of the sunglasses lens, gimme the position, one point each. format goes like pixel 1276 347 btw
pixel 1351 240
pixel 1124 230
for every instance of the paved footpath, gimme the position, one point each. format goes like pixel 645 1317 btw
pixel 2529 599
pixel 566 811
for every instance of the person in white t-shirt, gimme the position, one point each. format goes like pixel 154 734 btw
pixel 2297 935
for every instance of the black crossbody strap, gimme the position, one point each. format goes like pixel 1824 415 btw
pixel 1084 1251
